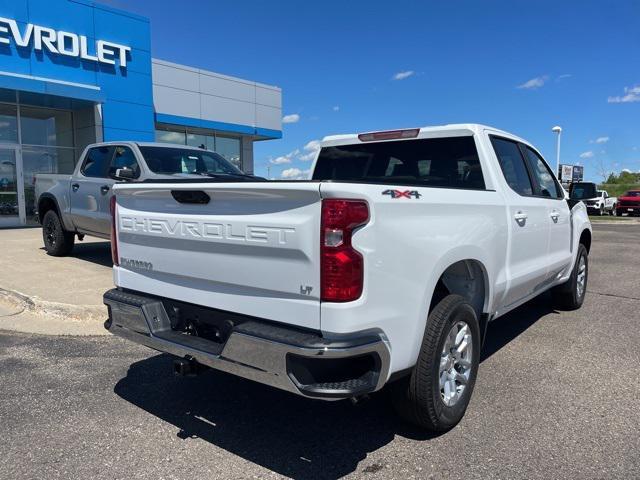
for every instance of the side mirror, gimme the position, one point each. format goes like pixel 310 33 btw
pixel 124 174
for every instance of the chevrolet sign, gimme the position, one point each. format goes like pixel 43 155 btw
pixel 61 43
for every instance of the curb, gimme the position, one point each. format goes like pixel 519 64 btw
pixel 63 311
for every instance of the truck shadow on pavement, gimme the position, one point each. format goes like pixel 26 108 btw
pixel 93 252
pixel 286 434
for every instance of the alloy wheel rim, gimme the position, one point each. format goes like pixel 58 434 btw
pixel 582 277
pixel 51 233
pixel 455 363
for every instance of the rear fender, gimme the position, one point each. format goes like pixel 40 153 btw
pixel 457 254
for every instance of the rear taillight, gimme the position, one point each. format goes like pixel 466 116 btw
pixel 342 267
pixel 114 237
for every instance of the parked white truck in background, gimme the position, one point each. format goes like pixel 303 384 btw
pixel 385 268
pixel 598 202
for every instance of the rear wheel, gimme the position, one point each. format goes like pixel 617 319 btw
pixel 58 242
pixel 436 394
pixel 570 294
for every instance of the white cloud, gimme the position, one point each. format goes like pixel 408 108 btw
pixel 336 108
pixel 534 83
pixel 292 118
pixel 311 149
pixel 284 159
pixel 588 154
pixel 631 94
pixel 600 140
pixel 305 154
pixel 403 75
pixel 626 170
pixel 295 174
pixel 563 76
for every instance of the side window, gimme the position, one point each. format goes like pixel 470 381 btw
pixel 97 162
pixel 124 158
pixel 512 165
pixel 546 185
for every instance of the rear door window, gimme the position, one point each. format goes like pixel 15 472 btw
pixel 97 162
pixel 512 165
pixel 450 162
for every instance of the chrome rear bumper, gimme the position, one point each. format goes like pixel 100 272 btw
pixel 296 361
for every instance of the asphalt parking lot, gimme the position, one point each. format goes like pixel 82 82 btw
pixel 558 396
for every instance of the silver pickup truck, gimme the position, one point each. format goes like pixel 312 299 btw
pixel 79 204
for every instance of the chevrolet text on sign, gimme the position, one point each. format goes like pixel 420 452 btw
pixel 62 43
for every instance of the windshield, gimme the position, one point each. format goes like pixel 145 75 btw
pixel 600 193
pixel 581 191
pixel 173 160
pixel 632 194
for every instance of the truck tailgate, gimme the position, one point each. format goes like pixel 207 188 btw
pixel 252 248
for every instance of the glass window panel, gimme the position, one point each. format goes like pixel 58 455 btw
pixel 169 136
pixel 7 95
pixel 196 140
pixel 450 162
pixel 229 148
pixel 40 100
pixel 8 184
pixel 46 127
pixel 211 143
pixel 8 124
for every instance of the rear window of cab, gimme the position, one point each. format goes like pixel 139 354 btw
pixel 450 162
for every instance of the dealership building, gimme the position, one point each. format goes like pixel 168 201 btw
pixel 74 72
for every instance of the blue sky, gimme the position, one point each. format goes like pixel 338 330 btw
pixel 356 66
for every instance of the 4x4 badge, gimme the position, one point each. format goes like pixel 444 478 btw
pixel 402 193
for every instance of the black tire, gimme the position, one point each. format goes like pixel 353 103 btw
pixel 614 211
pixel 567 295
pixel 418 398
pixel 58 242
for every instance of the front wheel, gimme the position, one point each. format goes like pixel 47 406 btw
pixel 436 394
pixel 58 242
pixel 570 294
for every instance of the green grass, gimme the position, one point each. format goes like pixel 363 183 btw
pixel 607 218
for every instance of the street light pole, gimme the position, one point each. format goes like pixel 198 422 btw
pixel 558 130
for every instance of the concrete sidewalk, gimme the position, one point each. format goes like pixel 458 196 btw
pixel 44 294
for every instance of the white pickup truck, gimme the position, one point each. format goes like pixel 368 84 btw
pixel 384 268
pixel 596 201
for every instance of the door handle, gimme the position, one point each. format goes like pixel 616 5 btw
pixel 520 216
pixel 75 187
pixel 554 216
pixel 104 189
